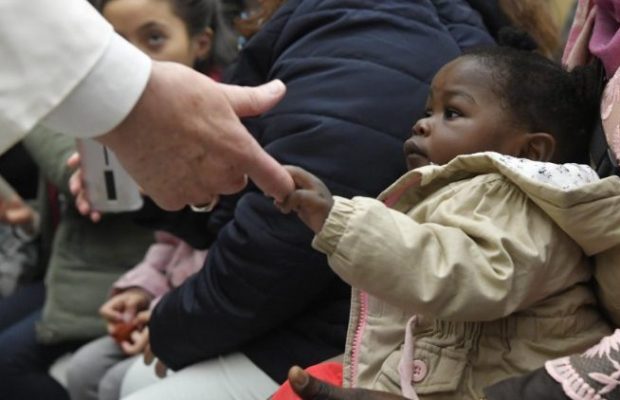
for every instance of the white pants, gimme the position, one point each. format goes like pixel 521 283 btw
pixel 231 377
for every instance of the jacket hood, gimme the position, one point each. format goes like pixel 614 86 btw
pixel 586 207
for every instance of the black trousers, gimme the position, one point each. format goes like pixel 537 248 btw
pixel 536 385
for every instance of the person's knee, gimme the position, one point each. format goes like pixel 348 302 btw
pixel 110 384
pixel 110 387
pixel 82 380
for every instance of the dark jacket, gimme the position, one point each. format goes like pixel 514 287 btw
pixel 357 73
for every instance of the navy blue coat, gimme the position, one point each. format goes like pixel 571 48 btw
pixel 357 73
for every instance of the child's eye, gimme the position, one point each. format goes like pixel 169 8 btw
pixel 155 39
pixel 428 112
pixel 451 113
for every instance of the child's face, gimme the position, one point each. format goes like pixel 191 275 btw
pixel 463 116
pixel 153 27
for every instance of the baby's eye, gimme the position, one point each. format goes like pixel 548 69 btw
pixel 451 113
pixel 428 112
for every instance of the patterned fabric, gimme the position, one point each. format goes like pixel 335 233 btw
pixel 562 176
pixel 593 375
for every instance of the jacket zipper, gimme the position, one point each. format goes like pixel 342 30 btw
pixel 357 337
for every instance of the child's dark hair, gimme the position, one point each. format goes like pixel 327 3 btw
pixel 544 97
pixel 198 15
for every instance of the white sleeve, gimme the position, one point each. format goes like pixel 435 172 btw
pixel 62 64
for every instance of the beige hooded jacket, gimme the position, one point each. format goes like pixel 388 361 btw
pixel 492 254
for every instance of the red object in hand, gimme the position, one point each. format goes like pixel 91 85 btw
pixel 122 331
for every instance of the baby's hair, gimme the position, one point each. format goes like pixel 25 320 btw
pixel 198 15
pixel 543 97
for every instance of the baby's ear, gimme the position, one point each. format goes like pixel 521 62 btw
pixel 538 146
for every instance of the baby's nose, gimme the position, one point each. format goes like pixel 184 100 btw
pixel 422 127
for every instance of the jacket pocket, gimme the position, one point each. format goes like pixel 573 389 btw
pixel 436 369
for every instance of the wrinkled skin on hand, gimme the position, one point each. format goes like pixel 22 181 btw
pixel 183 142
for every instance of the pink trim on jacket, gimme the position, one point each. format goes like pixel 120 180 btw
pixel 357 337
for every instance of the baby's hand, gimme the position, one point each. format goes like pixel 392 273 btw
pixel 311 199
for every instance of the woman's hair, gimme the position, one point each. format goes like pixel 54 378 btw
pixel 544 97
pixel 535 18
pixel 532 16
pixel 251 24
pixel 198 15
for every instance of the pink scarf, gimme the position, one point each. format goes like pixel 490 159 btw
pixel 605 41
pixel 595 32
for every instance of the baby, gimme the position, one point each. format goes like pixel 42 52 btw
pixel 475 265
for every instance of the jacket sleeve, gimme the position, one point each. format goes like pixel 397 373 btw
pixel 465 258
pixel 167 264
pixel 260 273
pixel 50 151
pixel 150 273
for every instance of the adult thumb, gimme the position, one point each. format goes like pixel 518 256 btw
pixel 250 101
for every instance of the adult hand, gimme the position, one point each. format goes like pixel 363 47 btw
pixel 183 141
pixel 124 306
pixel 160 368
pixel 78 189
pixel 15 211
pixel 311 200
pixel 310 388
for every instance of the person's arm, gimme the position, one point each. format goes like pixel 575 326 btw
pixel 64 66
pixel 150 273
pixel 50 150
pixel 67 69
pixel 260 273
pixel 464 258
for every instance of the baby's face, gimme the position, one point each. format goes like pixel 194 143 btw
pixel 463 116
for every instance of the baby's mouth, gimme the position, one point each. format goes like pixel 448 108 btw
pixel 415 156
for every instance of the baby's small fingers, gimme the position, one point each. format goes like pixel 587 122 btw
pixel 302 178
pixel 289 203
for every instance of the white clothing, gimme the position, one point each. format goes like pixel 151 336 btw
pixel 63 65
pixel 231 377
